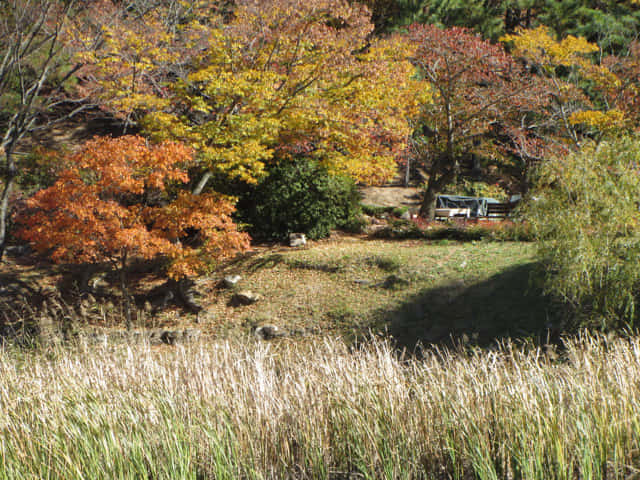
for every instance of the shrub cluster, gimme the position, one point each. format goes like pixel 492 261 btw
pixel 505 230
pixel 584 212
pixel 304 197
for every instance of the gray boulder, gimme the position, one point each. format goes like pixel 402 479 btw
pixel 18 250
pixel 174 337
pixel 297 239
pixel 231 281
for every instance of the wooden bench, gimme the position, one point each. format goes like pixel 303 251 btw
pixel 500 210
pixel 453 212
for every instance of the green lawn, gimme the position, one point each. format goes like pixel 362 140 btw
pixel 413 290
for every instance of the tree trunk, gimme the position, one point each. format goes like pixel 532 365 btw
pixel 125 291
pixel 437 183
pixel 428 206
pixel 8 178
pixel 407 172
pixel 202 183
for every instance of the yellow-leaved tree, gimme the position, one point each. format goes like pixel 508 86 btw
pixel 585 93
pixel 273 81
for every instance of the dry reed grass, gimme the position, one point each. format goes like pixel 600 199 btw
pixel 232 410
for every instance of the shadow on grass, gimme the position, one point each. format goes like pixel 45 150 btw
pixel 503 306
pixel 258 262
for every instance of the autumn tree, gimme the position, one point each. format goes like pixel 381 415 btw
pixel 114 203
pixel 480 95
pixel 579 87
pixel 276 80
pixel 142 44
pixel 622 92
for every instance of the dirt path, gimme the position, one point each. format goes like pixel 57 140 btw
pixel 392 196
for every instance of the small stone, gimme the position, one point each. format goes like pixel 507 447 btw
pixel 393 281
pixel 170 337
pixel 406 215
pixel 97 281
pixel 231 281
pixel 269 332
pixel 189 295
pixel 155 337
pixel 297 239
pixel 245 297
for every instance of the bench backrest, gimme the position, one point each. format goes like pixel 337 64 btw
pixel 500 209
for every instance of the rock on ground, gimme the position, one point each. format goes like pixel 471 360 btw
pixel 269 332
pixel 246 297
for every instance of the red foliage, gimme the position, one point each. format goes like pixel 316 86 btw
pixel 625 94
pixel 483 99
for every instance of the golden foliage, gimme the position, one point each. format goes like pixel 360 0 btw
pixel 575 55
pixel 538 45
pixel 280 78
pixel 597 120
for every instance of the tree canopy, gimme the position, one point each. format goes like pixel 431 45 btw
pixel 482 99
pixel 278 78
pixel 233 90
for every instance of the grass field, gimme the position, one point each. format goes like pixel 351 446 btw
pixel 232 410
pixel 416 291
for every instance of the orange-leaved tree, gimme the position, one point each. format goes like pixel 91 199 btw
pixel 115 202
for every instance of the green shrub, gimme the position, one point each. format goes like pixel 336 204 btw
pixel 399 211
pixel 376 210
pixel 398 229
pixel 505 230
pixel 39 169
pixel 584 212
pixel 304 197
